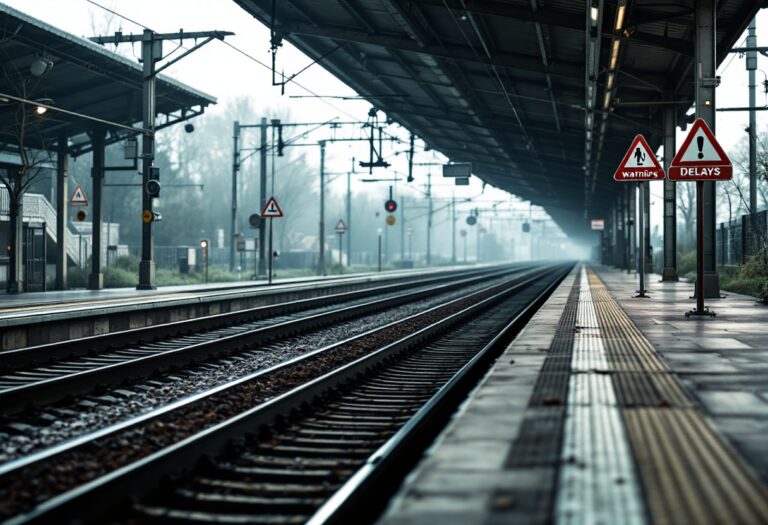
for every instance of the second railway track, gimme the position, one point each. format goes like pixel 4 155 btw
pixel 49 373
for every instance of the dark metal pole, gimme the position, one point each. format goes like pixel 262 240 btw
pixel 429 219
pixel 700 309
pixel 453 228
pixel 321 236
pixel 670 200
pixel 751 67
pixel 706 82
pixel 263 199
pixel 646 211
pixel 349 218
pixel 341 255
pixel 477 240
pixel 402 228
pixel 62 156
pixel 379 249
pixel 631 228
pixel 641 291
pixel 151 51
pixel 235 169
pixel 96 278
pixel 271 253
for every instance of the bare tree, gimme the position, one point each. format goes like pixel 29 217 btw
pixel 22 132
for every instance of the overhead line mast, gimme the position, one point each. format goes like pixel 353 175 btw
pixel 151 53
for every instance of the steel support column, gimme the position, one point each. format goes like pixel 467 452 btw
pixel 704 69
pixel 263 197
pixel 646 214
pixel 751 67
pixel 349 217
pixel 151 52
pixel 621 253
pixel 96 277
pixel 321 236
pixel 62 158
pixel 233 218
pixel 669 273
pixel 631 228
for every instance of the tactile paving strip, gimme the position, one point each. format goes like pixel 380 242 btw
pixel 539 440
pixel 640 377
pixel 689 474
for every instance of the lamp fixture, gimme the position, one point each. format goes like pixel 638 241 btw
pixel 40 66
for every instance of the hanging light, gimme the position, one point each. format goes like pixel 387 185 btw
pixel 43 108
pixel 40 66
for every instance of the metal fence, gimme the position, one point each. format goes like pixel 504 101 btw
pixel 742 238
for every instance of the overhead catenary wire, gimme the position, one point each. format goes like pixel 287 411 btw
pixel 248 56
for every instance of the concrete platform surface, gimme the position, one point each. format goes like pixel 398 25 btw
pixel 609 409
pixel 39 303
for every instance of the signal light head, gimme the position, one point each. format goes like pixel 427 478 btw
pixel 390 205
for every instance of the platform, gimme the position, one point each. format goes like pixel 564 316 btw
pixel 38 303
pixel 609 409
pixel 38 318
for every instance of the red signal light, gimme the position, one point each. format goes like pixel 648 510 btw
pixel 390 205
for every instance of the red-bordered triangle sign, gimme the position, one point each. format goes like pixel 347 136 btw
pixel 271 209
pixel 700 157
pixel 639 164
pixel 78 197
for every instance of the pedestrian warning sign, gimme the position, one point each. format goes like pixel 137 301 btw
pixel 78 197
pixel 271 209
pixel 639 164
pixel 700 157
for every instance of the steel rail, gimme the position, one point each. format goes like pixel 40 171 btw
pixel 39 458
pixel 365 494
pixel 97 497
pixel 16 399
pixel 42 354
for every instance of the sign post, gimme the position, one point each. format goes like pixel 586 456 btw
pixel 700 159
pixel 640 165
pixel 271 210
pixel 410 242
pixel 341 229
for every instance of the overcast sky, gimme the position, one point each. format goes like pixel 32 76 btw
pixel 225 74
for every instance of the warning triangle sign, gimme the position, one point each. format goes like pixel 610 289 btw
pixel 340 226
pixel 700 157
pixel 639 163
pixel 78 197
pixel 271 209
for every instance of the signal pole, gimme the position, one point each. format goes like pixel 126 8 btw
pixel 429 219
pixel 152 52
pixel 321 237
pixel 235 169
pixel 453 227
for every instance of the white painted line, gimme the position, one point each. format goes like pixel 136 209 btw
pixel 597 479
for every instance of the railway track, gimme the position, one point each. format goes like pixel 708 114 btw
pixel 86 478
pixel 49 373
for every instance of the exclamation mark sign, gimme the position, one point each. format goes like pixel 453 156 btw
pixel 700 143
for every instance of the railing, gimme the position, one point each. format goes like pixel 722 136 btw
pixel 38 209
pixel 742 238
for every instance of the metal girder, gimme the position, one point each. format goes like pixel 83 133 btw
pixel 550 17
pixel 455 52
pixel 562 19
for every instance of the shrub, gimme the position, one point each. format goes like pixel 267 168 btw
pixel 117 277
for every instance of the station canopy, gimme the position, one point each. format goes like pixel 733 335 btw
pixel 79 76
pixel 542 96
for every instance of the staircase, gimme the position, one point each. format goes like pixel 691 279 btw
pixel 38 209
